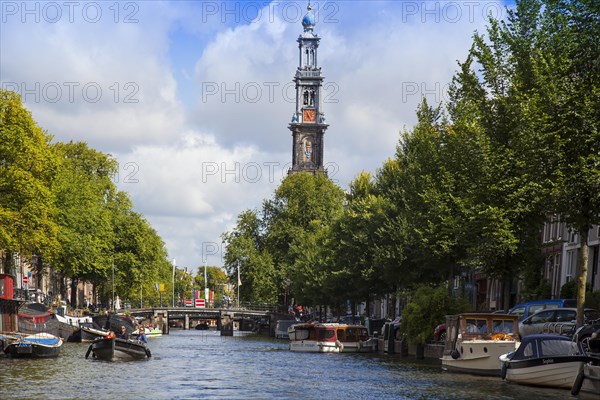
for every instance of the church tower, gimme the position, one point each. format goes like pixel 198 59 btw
pixel 308 122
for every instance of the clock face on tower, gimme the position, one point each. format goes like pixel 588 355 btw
pixel 308 116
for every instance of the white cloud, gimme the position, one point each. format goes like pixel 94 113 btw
pixel 199 165
pixel 193 189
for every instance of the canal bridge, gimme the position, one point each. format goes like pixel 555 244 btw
pixel 186 316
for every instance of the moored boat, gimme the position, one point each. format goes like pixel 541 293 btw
pixel 544 360
pixel 113 322
pixel 474 341
pixel 282 326
pixel 37 318
pixel 39 345
pixel 69 325
pixel 330 338
pixel 111 348
pixel 150 332
pixel 7 338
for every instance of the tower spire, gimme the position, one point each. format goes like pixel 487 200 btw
pixel 308 121
pixel 308 22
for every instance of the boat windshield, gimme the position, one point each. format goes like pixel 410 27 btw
pixel 558 348
pixel 324 334
pixel 503 326
pixel 476 326
pixel 300 334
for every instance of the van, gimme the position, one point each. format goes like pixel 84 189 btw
pixel 528 308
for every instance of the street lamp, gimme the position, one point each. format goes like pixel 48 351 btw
pixel 141 288
pixel 239 283
pixel 173 283
pixel 205 285
pixel 113 285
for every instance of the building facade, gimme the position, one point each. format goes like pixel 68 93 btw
pixel 560 248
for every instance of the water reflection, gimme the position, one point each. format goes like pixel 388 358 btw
pixel 201 364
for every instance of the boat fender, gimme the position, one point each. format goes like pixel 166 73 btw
pixel 340 345
pixel 455 354
pixel 359 345
pixel 503 371
pixel 578 383
pixel 89 350
pixel 148 352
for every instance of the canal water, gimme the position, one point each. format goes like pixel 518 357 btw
pixel 204 365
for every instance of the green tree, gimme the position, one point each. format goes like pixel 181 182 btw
pixel 28 168
pixel 247 254
pixel 138 252
pixel 83 190
pixel 427 308
pixel 569 75
pixel 301 204
pixel 355 273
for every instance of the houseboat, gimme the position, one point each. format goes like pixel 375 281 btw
pixel 330 338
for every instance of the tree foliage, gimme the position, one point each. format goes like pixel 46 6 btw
pixel 58 202
pixel 28 168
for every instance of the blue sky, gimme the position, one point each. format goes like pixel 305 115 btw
pixel 193 98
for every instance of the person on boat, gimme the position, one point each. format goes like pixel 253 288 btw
pixel 142 335
pixel 123 334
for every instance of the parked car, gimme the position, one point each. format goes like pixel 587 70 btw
pixel 439 333
pixel 537 322
pixel 524 310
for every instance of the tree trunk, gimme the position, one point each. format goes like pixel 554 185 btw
pixel 582 275
pixel 73 292
pixel 451 279
pixel 394 311
pixel 506 282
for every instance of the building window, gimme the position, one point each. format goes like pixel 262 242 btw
pixel 572 236
pixel 570 265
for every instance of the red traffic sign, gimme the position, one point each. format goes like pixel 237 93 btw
pixel 200 303
pixel 25 280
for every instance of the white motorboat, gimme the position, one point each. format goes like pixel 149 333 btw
pixel 330 338
pixel 474 342
pixel 544 360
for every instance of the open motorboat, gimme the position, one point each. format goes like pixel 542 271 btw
pixel 545 360
pixel 330 338
pixel 39 345
pixel 111 348
pixel 474 341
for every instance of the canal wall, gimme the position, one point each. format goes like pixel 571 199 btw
pixel 401 348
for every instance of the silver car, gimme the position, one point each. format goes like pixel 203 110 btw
pixel 545 321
